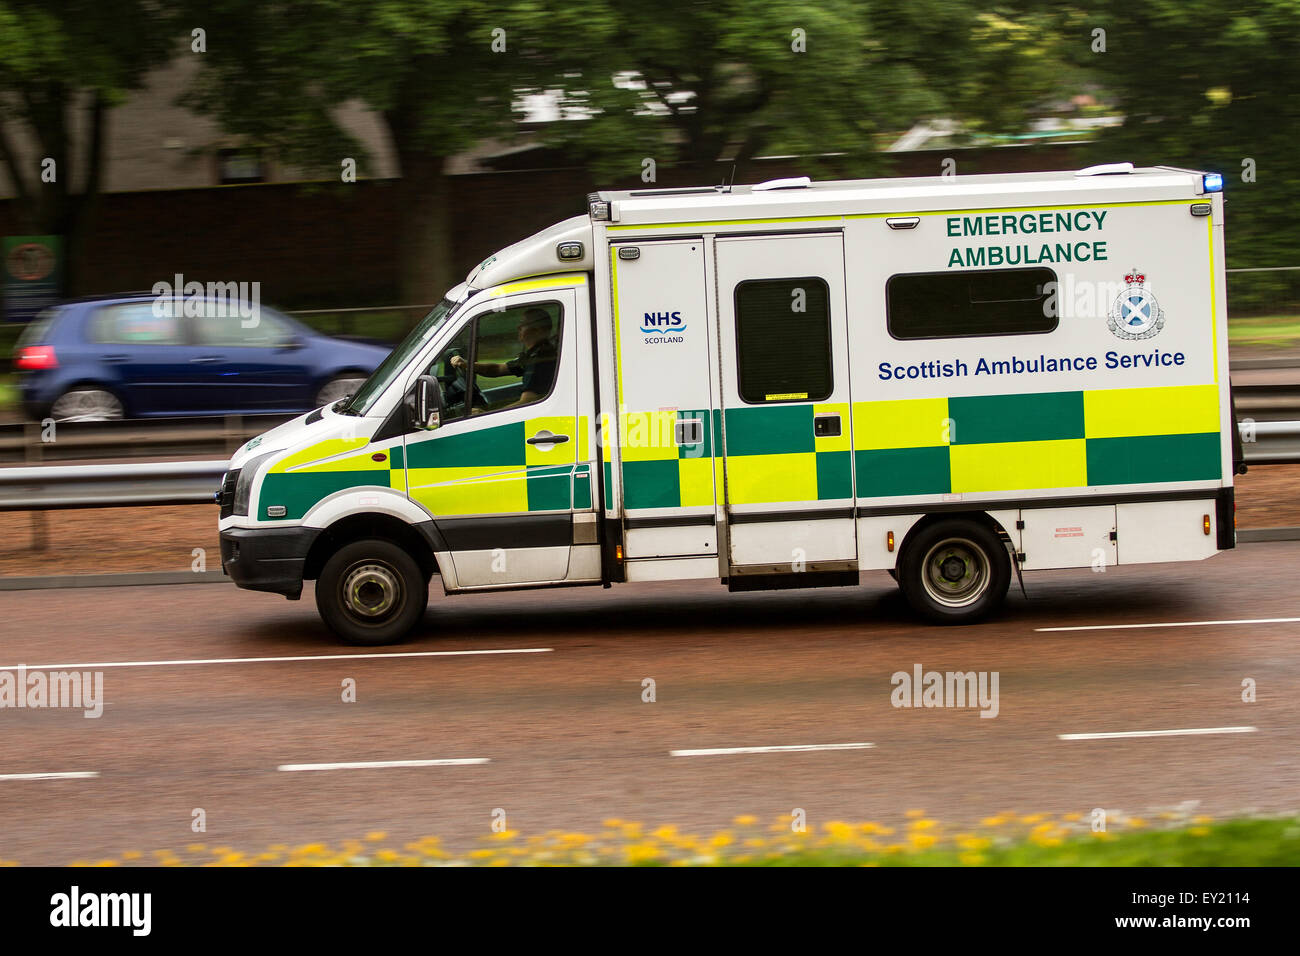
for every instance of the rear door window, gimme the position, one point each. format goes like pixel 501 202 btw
pixel 135 324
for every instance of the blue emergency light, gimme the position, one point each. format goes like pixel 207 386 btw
pixel 1213 182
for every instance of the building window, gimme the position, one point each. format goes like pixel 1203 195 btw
pixel 241 165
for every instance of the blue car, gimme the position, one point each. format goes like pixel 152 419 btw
pixel 109 358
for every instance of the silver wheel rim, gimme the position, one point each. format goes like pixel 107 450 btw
pixel 372 591
pixel 86 405
pixel 338 388
pixel 955 572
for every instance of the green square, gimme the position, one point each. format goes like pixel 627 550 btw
pixel 1131 461
pixel 651 484
pixel 771 430
pixel 903 471
pixel 834 475
pixel 550 488
pixel 1044 416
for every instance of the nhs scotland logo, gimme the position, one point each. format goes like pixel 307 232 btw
pixel 662 327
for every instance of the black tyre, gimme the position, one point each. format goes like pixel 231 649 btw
pixel 371 592
pixel 955 572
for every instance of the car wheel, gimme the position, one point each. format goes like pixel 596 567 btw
pixel 338 387
pixel 86 405
pixel 955 572
pixel 371 592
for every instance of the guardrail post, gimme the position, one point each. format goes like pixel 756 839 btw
pixel 33 452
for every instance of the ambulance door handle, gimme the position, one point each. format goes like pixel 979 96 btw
pixel 546 438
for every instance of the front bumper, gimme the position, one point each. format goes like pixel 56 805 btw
pixel 267 559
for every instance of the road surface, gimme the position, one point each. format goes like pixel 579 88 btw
pixel 554 729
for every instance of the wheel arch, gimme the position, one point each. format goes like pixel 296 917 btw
pixel 359 526
pixel 979 517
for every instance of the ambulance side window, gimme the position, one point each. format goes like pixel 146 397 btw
pixel 783 340
pixel 944 305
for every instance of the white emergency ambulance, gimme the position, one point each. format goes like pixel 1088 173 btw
pixel 952 379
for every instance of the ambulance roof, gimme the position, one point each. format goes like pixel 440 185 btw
pixel 1119 182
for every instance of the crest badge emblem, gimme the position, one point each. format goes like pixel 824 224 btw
pixel 1136 314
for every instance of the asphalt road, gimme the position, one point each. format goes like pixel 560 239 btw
pixel 568 740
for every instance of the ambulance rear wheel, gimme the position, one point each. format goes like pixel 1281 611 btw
pixel 955 571
pixel 371 592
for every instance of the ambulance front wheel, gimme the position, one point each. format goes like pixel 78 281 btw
pixel 371 592
pixel 955 571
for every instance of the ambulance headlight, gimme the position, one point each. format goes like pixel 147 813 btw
pixel 1213 182
pixel 244 487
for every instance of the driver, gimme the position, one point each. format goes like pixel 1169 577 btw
pixel 535 365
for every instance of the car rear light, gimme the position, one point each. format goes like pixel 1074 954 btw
pixel 34 358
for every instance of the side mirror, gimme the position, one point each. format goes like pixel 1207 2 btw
pixel 428 402
pixel 292 343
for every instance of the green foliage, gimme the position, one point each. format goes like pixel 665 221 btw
pixel 1210 86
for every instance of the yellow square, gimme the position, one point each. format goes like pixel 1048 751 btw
pixel 470 491
pixel 755 479
pixel 1015 466
pixel 1173 410
pixel 838 442
pixel 563 453
pixel 648 436
pixel 908 423
pixel 695 481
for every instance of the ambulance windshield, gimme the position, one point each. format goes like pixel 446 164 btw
pixel 392 366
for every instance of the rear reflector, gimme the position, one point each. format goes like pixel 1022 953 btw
pixel 33 358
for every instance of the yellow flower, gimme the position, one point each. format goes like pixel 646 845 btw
pixel 374 836
pixel 613 823
pixel 745 820
pixel 913 814
pixel 992 821
pixel 975 843
pixel 194 848
pixel 1032 818
pixel 132 855
pixel 720 840
pixel 971 859
pixel 1202 819
pixel 1199 831
pixel 922 824
pixel 641 853
pixel 922 841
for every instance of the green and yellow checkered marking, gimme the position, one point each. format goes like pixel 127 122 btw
pixel 1040 440
pixel 491 470
pixel 659 473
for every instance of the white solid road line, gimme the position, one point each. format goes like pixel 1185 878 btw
pixel 1160 733
pixel 68 775
pixel 384 764
pixel 1125 627
pixel 767 750
pixel 263 660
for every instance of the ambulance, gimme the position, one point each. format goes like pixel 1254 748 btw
pixel 953 379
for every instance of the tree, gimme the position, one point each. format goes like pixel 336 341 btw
pixel 441 74
pixel 1212 86
pixel 62 68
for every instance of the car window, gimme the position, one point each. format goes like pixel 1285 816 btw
pixel 219 325
pixel 135 324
